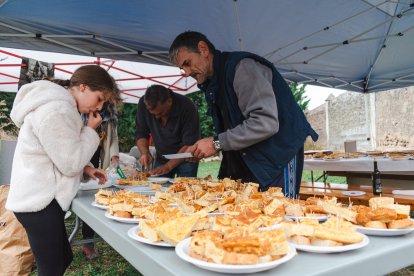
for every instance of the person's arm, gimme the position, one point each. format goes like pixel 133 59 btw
pixel 170 165
pixel 257 101
pixel 146 158
pixel 69 149
pixel 142 132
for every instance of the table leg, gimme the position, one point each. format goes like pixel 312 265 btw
pixel 75 229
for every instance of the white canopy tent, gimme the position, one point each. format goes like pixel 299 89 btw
pixel 133 78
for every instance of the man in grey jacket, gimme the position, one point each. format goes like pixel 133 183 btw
pixel 260 127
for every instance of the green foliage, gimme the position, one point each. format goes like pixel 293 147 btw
pixel 126 126
pixel 6 124
pixel 298 91
pixel 208 168
pixel 206 122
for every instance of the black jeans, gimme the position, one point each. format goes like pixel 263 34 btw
pixel 48 239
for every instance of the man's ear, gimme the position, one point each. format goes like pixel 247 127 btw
pixel 203 48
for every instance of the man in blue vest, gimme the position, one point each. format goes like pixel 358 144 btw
pixel 260 128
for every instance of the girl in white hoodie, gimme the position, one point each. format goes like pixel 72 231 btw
pixel 52 153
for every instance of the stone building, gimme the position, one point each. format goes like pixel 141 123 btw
pixel 382 120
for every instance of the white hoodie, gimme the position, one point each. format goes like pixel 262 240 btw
pixel 52 149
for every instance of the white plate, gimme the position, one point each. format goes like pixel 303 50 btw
pixel 178 155
pixel 93 185
pixel 159 180
pixel 124 220
pixel 99 206
pixel 183 251
pixel 332 249
pixel 133 234
pixel 403 192
pixel 320 218
pixel 398 158
pixel 353 193
pixel 384 232
pixel 332 159
pixel 137 189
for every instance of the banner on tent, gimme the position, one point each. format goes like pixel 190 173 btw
pixel 33 70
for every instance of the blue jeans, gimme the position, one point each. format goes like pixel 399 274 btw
pixel 186 169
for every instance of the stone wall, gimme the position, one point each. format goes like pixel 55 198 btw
pixel 382 120
pixel 395 118
pixel 317 119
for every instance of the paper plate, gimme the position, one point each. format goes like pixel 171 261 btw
pixel 159 180
pixel 124 220
pixel 183 251
pixel 332 249
pixel 133 234
pixel 320 218
pixel 384 232
pixel 93 185
pixel 353 193
pixel 99 206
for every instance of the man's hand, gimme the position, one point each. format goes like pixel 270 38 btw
pixel 145 160
pixel 95 173
pixel 203 148
pixel 94 119
pixel 161 170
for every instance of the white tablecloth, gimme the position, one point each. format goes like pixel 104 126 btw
pixel 362 164
pixel 382 255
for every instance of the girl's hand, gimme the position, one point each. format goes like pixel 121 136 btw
pixel 95 173
pixel 94 119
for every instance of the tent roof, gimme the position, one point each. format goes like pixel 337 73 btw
pixel 358 45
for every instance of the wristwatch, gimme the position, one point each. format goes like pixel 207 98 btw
pixel 216 143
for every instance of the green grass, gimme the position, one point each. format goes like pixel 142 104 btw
pixel 111 263
pixel 209 168
pixel 306 176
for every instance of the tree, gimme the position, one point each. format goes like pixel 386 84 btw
pixel 7 127
pixel 206 122
pixel 126 126
pixel 298 91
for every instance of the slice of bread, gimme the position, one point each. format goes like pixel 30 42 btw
pixel 148 230
pixel 342 212
pixel 298 229
pixel 376 224
pixel 320 242
pixel 400 224
pixel 377 202
pixel 178 229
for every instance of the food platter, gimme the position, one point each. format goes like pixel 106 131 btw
pixel 124 220
pixel 332 249
pixel 99 206
pixel 183 251
pixel 133 234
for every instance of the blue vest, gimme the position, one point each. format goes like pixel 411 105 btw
pixel 266 158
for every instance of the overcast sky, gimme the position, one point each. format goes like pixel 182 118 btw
pixel 318 95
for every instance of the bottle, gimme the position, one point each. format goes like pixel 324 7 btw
pixel 376 180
